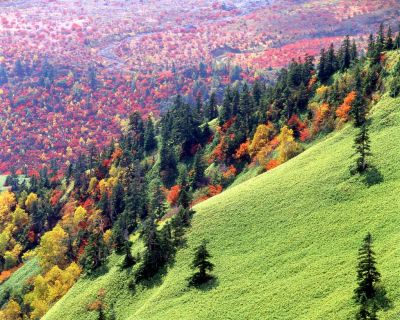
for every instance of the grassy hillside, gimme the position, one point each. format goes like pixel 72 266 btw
pixel 2 181
pixel 284 243
pixel 14 285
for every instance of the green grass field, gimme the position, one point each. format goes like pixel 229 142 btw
pixel 284 243
pixel 14 285
pixel 2 181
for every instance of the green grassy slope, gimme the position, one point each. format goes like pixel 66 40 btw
pixel 2 181
pixel 14 285
pixel 284 243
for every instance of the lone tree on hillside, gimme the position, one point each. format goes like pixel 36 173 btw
pixel 202 264
pixel 362 148
pixel 368 294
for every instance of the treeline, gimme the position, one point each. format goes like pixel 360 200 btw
pixel 158 168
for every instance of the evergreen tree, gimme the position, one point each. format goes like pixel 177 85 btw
pixel 18 69
pixel 95 253
pixel 226 111
pixel 211 111
pixel 380 41
pixel 168 165
pixel 368 279
pixel 197 173
pixel 345 50
pixel 389 39
pixel 245 110
pixel 362 148
pixel 331 61
pixel 373 50
pixel 136 133
pixel 119 235
pixel 3 74
pixel 185 197
pixel 354 51
pixel 202 264
pixel 199 106
pixel 235 102
pixel 129 260
pixel 156 253
pixel 358 110
pixel 92 78
pixel 117 201
pixel 396 44
pixel 322 72
pixel 150 142
pixel 157 199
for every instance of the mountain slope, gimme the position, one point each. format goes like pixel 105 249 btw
pixel 284 243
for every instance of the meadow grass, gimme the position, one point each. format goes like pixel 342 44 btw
pixel 14 285
pixel 284 243
pixel 2 181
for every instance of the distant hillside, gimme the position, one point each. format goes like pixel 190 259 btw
pixel 284 243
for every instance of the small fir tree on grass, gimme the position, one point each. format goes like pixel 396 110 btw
pixel 369 294
pixel 362 148
pixel 129 260
pixel 201 262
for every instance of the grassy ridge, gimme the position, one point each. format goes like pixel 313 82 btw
pixel 284 243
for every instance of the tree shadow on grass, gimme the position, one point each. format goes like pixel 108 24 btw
pixel 208 286
pixel 97 273
pixel 372 176
pixel 382 301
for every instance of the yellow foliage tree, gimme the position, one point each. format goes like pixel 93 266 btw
pixel 48 289
pixel 7 202
pixel 11 257
pixel 52 248
pixel 12 311
pixel 30 200
pixel 260 138
pixel 19 218
pixel 80 215
pixel 288 148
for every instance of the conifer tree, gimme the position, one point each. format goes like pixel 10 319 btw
pixel 211 107
pixel 331 60
pixel 389 39
pixel 18 69
pixel 226 111
pixel 150 142
pixel 322 72
pixel 197 175
pixel 345 54
pixel 202 264
pixel 362 148
pixel 95 253
pixel 168 166
pixel 380 41
pixel 3 74
pixel 353 51
pixel 397 40
pixel 368 281
pixel 157 250
pixel 92 78
pixel 199 106
pixel 129 260
pixel 117 201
